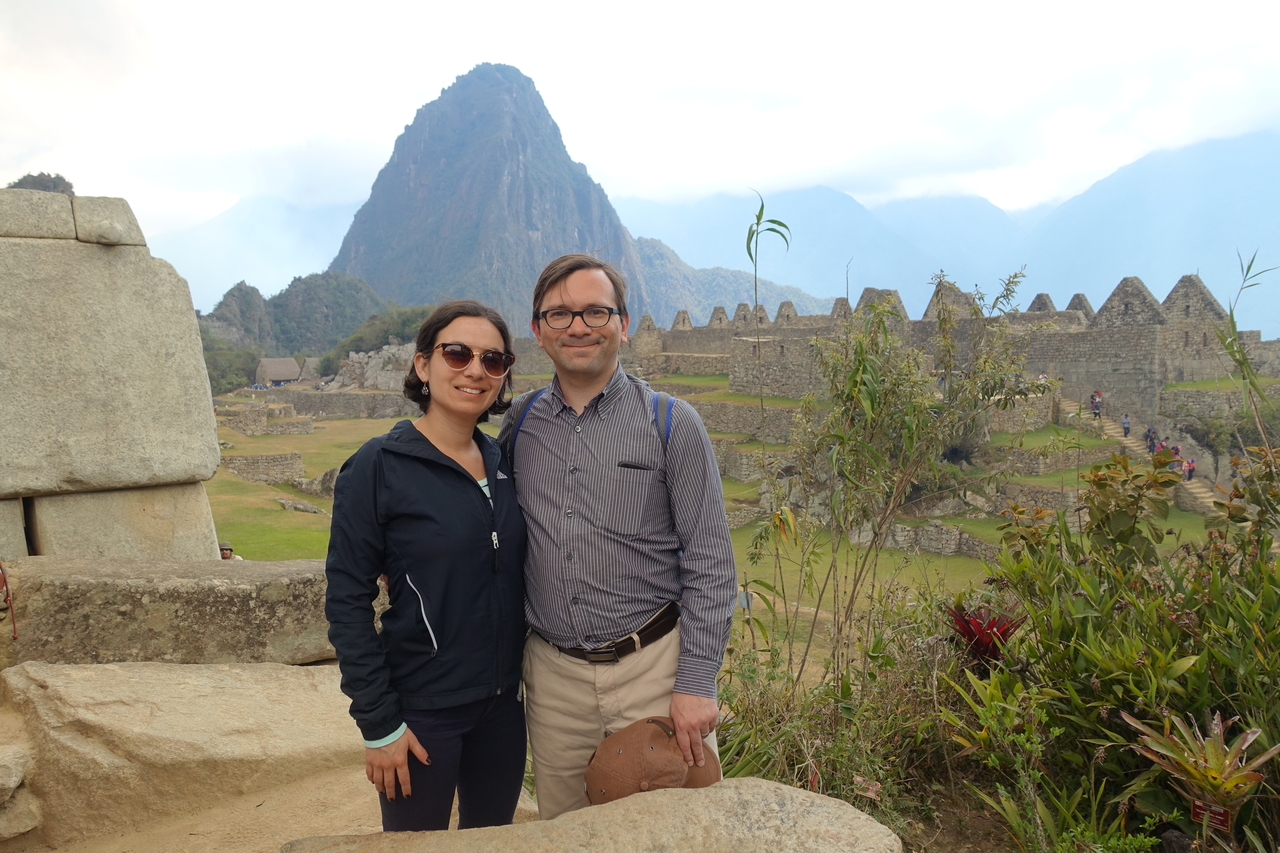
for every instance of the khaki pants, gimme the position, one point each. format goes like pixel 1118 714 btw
pixel 571 705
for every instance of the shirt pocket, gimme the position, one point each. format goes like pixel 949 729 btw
pixel 625 506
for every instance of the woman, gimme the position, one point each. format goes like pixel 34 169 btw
pixel 431 505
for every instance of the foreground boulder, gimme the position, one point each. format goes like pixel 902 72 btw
pixel 200 611
pixel 121 745
pixel 733 816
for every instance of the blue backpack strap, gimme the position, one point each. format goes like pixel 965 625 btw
pixel 527 406
pixel 660 399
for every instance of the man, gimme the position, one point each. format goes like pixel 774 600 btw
pixel 226 552
pixel 626 518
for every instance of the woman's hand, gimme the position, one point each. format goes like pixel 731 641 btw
pixel 384 765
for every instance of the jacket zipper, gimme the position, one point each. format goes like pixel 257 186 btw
pixel 423 608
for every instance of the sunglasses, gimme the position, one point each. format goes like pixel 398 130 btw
pixel 494 362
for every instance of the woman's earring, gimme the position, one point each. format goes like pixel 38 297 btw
pixel 426 390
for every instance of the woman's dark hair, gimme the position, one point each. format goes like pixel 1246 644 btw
pixel 425 343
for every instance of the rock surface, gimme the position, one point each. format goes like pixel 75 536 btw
pixel 119 744
pixel 158 522
pixel 734 816
pixel 104 383
pixel 19 814
pixel 209 611
pixel 13 769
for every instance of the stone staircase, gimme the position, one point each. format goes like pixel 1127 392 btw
pixel 1194 496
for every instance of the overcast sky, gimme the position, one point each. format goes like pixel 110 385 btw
pixel 184 108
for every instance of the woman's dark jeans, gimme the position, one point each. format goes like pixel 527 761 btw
pixel 477 749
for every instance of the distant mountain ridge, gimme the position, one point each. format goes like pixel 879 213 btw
pixel 309 316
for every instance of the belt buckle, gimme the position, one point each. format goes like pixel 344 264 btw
pixel 609 655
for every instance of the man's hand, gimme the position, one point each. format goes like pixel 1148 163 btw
pixel 695 718
pixel 387 763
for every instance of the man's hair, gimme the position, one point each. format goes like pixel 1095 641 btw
pixel 565 265
pixel 429 331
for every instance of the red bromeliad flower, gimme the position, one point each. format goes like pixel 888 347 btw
pixel 983 630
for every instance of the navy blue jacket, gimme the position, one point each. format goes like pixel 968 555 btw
pixel 455 629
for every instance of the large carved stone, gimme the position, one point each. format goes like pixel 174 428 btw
pixel 103 378
pixel 160 522
pixel 733 816
pixel 211 611
pixel 31 213
pixel 121 743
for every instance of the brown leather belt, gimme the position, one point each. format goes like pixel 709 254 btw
pixel 650 632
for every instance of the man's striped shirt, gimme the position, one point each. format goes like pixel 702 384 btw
pixel 620 524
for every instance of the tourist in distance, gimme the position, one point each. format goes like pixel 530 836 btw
pixel 431 505
pixel 630 577
pixel 226 552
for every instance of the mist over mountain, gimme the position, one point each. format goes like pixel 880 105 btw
pixel 828 228
pixel 1168 214
pixel 480 193
pixel 699 291
pixel 262 240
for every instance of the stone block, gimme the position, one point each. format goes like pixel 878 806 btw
pixel 206 611
pixel 19 815
pixel 101 371
pixel 733 816
pixel 31 213
pixel 119 744
pixel 109 221
pixel 266 467
pixel 13 769
pixel 13 541
pixel 159 522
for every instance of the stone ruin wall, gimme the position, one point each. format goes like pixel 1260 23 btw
pixel 1129 349
pixel 271 468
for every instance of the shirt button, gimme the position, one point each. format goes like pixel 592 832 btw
pixel 575 601
pixel 569 513
pixel 577 429
pixel 568 556
pixel 573 469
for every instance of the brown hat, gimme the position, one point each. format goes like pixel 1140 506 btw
pixel 645 756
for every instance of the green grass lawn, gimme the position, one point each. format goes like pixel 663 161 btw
pixel 1045 435
pixel 953 573
pixel 261 529
pixel 328 447
pixel 1222 383
pixel 727 396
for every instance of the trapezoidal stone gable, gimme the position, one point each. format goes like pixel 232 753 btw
pixel 1191 300
pixel 1081 303
pixel 947 293
pixel 876 296
pixel 1128 306
pixel 1042 302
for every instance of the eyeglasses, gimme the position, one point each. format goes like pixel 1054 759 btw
pixel 494 362
pixel 562 318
